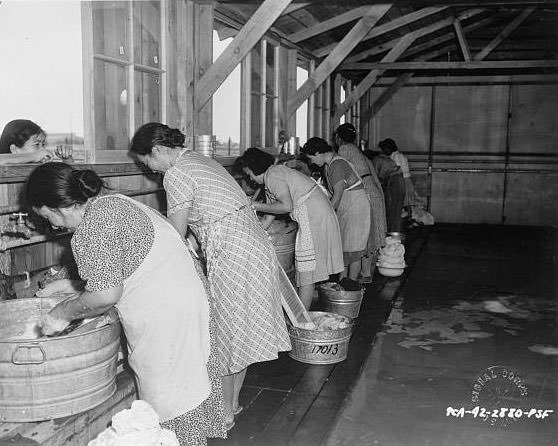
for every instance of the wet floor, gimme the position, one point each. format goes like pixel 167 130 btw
pixel 473 323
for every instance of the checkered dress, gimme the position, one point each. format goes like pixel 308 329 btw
pixel 242 266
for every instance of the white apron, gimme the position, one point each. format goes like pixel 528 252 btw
pixel 353 214
pixel 165 314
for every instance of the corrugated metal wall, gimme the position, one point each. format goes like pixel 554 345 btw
pixel 478 153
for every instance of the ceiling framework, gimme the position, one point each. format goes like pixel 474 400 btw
pixel 412 40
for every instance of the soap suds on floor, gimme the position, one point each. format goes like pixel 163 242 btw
pixel 467 321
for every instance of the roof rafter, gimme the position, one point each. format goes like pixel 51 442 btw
pixel 372 77
pixel 241 45
pixel 470 65
pixel 462 40
pixel 353 37
pixel 429 29
pixel 326 25
pixel 387 27
pixel 504 33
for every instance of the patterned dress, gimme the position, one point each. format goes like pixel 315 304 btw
pixel 111 244
pixel 242 267
pixel 365 169
pixel 321 221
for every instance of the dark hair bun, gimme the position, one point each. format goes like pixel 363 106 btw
pixel 89 183
pixel 176 138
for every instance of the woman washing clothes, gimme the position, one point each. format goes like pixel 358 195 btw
pixel 318 248
pixel 242 267
pixel 345 137
pixel 132 258
pixel 401 160
pixel 393 184
pixel 22 141
pixel 349 199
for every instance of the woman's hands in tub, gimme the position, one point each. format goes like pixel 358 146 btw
pixel 51 323
pixel 62 286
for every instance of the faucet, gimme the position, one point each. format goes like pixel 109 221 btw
pixel 19 227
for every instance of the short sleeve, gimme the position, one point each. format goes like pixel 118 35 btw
pixel 180 190
pixel 276 184
pixel 98 249
pixel 339 170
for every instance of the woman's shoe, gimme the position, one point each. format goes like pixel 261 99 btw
pixel 229 425
pixel 238 410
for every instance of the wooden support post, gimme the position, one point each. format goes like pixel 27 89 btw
pixel 318 98
pixel 349 42
pixel 203 50
pixel 348 91
pixel 326 108
pixel 461 39
pixel 246 102
pixel 291 90
pixel 310 130
pixel 371 78
pixel 244 41
pixel 337 85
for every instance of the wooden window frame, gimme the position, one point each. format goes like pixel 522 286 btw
pixel 92 153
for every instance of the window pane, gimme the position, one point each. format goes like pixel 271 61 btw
pixel 111 107
pixel 110 25
pixel 148 98
pixel 147 33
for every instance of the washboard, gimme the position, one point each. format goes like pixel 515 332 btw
pixel 291 302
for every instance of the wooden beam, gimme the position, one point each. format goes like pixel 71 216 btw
pixel 326 25
pixel 385 97
pixel 379 49
pixel 371 78
pixel 292 8
pixel 341 51
pixel 247 37
pixel 504 33
pixel 387 27
pixel 462 41
pixel 446 37
pixel 477 80
pixel 471 65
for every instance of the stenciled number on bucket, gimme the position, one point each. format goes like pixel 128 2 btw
pixel 330 349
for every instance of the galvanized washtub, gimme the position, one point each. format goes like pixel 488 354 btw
pixel 320 347
pixel 45 378
pixel 342 302
pixel 283 237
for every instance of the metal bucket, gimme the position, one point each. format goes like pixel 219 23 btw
pixel 342 302
pixel 45 378
pixel 205 144
pixel 283 237
pixel 320 347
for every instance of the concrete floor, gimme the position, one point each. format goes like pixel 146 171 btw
pixel 476 304
pixel 476 298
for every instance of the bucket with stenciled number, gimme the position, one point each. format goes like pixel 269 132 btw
pixel 320 346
